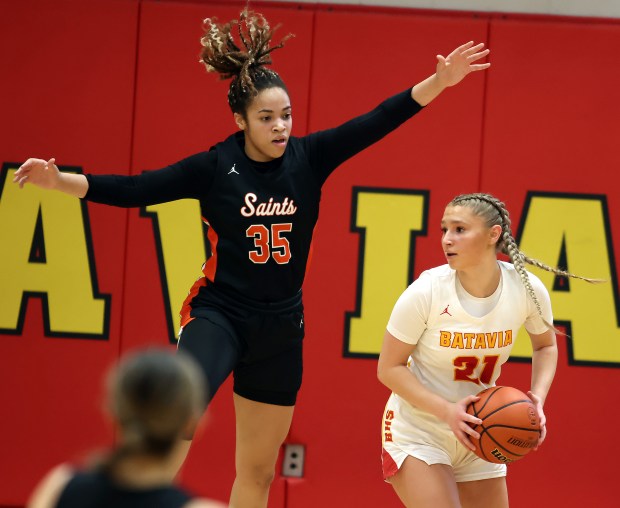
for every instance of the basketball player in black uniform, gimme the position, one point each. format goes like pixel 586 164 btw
pixel 154 396
pixel 259 192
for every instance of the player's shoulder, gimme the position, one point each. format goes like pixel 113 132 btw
pixel 514 278
pixel 200 160
pixel 438 273
pixel 510 270
pixel 48 491
pixel 423 284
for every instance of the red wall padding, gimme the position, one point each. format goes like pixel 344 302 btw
pixel 551 125
pixel 115 87
pixel 341 403
pixel 67 90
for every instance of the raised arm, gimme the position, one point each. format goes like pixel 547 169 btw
pixel 329 148
pixel 451 70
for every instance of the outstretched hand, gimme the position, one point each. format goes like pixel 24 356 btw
pixel 44 174
pixel 459 419
pixel 541 414
pixel 458 64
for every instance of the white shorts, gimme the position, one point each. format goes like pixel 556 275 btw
pixel 407 431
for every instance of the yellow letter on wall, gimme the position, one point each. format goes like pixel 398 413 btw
pixel 65 279
pixel 579 222
pixel 181 252
pixel 388 220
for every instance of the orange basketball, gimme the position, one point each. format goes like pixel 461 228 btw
pixel 510 424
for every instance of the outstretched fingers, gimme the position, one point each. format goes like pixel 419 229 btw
pixel 461 62
pixel 471 49
pixel 477 56
pixel 474 54
pixel 479 67
pixel 474 57
pixel 462 48
pixel 471 54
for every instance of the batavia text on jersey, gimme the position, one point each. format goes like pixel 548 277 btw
pixel 459 340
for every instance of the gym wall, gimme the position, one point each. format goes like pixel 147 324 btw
pixel 114 86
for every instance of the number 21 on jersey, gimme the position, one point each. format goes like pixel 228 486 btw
pixel 464 367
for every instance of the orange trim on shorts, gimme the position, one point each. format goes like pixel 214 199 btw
pixel 208 269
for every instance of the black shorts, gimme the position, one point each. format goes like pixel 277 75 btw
pixel 260 343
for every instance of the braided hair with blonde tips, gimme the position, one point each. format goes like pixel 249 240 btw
pixel 494 212
pixel 244 62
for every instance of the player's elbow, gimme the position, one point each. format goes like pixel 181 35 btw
pixel 382 372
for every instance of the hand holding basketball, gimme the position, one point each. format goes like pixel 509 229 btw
pixel 541 414
pixel 511 425
pixel 462 423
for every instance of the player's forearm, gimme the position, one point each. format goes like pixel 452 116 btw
pixel 72 184
pixel 425 91
pixel 406 385
pixel 544 362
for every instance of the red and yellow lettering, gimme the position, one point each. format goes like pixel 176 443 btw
pixel 457 341
pixel 469 337
pixel 444 339
pixel 464 367
pixel 480 342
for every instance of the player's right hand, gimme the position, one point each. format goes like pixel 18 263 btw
pixel 459 419
pixel 44 174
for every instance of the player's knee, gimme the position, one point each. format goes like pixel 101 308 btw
pixel 259 475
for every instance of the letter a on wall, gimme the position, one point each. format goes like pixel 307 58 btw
pixel 46 251
pixel 574 230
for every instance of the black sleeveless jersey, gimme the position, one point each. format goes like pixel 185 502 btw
pixel 94 489
pixel 260 216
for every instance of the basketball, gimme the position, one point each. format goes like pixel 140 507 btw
pixel 510 424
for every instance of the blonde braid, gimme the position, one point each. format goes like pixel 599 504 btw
pixel 495 213
pixel 558 271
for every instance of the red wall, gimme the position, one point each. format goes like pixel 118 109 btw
pixel 114 86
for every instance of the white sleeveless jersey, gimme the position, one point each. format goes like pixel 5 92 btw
pixel 457 354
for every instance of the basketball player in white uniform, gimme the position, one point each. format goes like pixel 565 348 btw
pixel 446 340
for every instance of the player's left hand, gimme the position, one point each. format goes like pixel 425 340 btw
pixel 541 414
pixel 458 64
